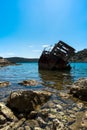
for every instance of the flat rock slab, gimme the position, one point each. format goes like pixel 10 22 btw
pixel 7 113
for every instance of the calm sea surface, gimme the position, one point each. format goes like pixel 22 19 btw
pixel 51 79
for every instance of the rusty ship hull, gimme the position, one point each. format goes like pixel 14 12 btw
pixel 57 58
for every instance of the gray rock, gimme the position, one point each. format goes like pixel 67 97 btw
pixel 27 101
pixel 79 89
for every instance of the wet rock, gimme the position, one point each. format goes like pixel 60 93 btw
pixel 59 107
pixel 79 89
pixel 27 101
pixel 21 115
pixel 4 83
pixel 44 111
pixel 51 116
pixel 61 113
pixel 32 115
pixel 29 83
pixel 20 128
pixel 37 128
pixel 57 125
pixel 44 114
pixel 7 127
pixel 7 113
pixel 27 128
pixel 53 111
pixel 84 120
pixel 50 104
pixel 41 122
pixel 18 124
pixel 14 125
pixel 71 121
pixel 80 106
pixel 64 95
pixel 32 123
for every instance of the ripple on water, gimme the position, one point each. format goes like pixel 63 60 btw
pixel 50 79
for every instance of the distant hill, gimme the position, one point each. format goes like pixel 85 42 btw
pixel 80 56
pixel 21 59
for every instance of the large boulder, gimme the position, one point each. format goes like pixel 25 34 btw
pixel 27 101
pixel 79 89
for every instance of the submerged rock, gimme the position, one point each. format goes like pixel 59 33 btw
pixel 58 125
pixel 64 95
pixel 27 101
pixel 79 89
pixel 4 83
pixel 53 115
pixel 29 83
pixel 84 120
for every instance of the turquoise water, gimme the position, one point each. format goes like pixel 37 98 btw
pixel 51 79
pixel 79 70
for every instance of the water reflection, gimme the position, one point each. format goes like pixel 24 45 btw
pixel 56 79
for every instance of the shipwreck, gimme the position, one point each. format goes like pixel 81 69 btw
pixel 57 58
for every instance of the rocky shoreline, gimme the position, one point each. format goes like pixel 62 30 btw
pixel 43 110
pixel 4 62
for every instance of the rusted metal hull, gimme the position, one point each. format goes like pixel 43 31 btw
pixel 57 58
pixel 53 63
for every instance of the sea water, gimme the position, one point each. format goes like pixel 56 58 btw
pixel 58 80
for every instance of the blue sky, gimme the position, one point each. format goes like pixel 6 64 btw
pixel 27 26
